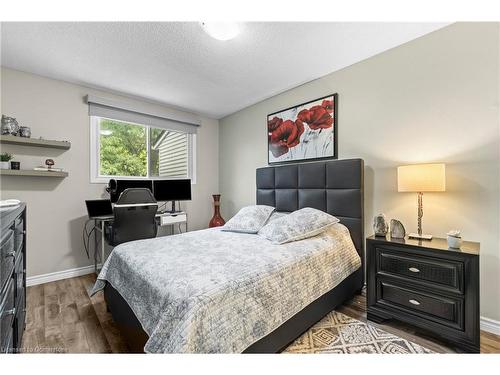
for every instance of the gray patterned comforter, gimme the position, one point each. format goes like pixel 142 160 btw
pixel 212 291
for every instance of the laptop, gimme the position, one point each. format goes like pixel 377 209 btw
pixel 99 209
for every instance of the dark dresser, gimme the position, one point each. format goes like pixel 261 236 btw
pixel 426 284
pixel 12 277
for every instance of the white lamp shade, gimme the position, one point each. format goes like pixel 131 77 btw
pixel 421 178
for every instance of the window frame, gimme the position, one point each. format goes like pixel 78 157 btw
pixel 97 178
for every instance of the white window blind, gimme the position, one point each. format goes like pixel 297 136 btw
pixel 170 120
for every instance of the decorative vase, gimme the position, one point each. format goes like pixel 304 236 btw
pixel 217 220
pixel 9 125
pixel 4 165
pixel 25 131
pixel 380 226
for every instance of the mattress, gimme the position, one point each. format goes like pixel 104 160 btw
pixel 212 291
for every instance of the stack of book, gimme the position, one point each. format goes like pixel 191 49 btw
pixel 53 169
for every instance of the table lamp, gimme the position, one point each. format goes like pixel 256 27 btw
pixel 420 178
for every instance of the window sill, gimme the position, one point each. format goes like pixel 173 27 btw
pixel 105 180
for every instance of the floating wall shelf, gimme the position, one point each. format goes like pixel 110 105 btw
pixel 46 143
pixel 32 173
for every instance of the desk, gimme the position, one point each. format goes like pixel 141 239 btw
pixel 162 218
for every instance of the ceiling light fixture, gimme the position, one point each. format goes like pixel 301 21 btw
pixel 221 30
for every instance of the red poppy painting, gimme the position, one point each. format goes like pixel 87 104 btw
pixel 304 132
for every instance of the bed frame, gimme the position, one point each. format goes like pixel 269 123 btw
pixel 335 187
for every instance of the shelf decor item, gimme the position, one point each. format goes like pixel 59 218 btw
pixel 25 132
pixel 48 167
pixel 4 160
pixel 380 226
pixel 307 131
pixel 9 125
pixel 217 220
pixel 454 239
pixel 15 165
pixel 49 163
pixel 420 178
pixel 397 229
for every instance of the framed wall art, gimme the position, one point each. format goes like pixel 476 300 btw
pixel 306 131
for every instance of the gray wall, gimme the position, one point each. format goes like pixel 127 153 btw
pixel 433 99
pixel 56 207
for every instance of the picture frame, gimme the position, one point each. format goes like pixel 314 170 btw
pixel 304 132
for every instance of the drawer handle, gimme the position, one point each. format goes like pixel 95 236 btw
pixel 413 269
pixel 414 302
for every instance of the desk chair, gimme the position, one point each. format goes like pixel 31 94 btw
pixel 134 217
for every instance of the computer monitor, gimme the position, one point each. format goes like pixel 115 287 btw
pixel 172 190
pixel 99 208
pixel 118 186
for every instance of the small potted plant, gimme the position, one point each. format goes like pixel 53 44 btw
pixel 4 160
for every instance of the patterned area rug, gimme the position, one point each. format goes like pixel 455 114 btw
pixel 338 333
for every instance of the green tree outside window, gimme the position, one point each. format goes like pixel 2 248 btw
pixel 123 149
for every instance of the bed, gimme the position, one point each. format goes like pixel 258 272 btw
pixel 211 291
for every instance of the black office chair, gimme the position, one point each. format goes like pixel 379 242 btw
pixel 134 217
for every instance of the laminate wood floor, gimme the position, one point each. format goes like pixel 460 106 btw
pixel 62 318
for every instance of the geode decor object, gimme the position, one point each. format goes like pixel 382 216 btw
pixel 380 225
pixel 397 229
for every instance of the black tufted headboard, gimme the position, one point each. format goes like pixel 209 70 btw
pixel 334 186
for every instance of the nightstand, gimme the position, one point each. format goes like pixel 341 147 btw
pixel 426 284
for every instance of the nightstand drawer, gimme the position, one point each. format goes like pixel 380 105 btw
pixel 430 306
pixel 440 272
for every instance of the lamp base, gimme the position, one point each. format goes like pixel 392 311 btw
pixel 420 236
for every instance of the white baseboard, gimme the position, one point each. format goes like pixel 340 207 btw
pixel 54 276
pixel 490 325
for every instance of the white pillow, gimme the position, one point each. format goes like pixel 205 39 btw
pixel 249 219
pixel 277 215
pixel 298 225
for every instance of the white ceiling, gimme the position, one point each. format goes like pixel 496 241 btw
pixel 176 63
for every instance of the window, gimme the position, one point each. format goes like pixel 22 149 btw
pixel 121 149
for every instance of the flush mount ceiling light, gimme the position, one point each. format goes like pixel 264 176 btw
pixel 221 30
